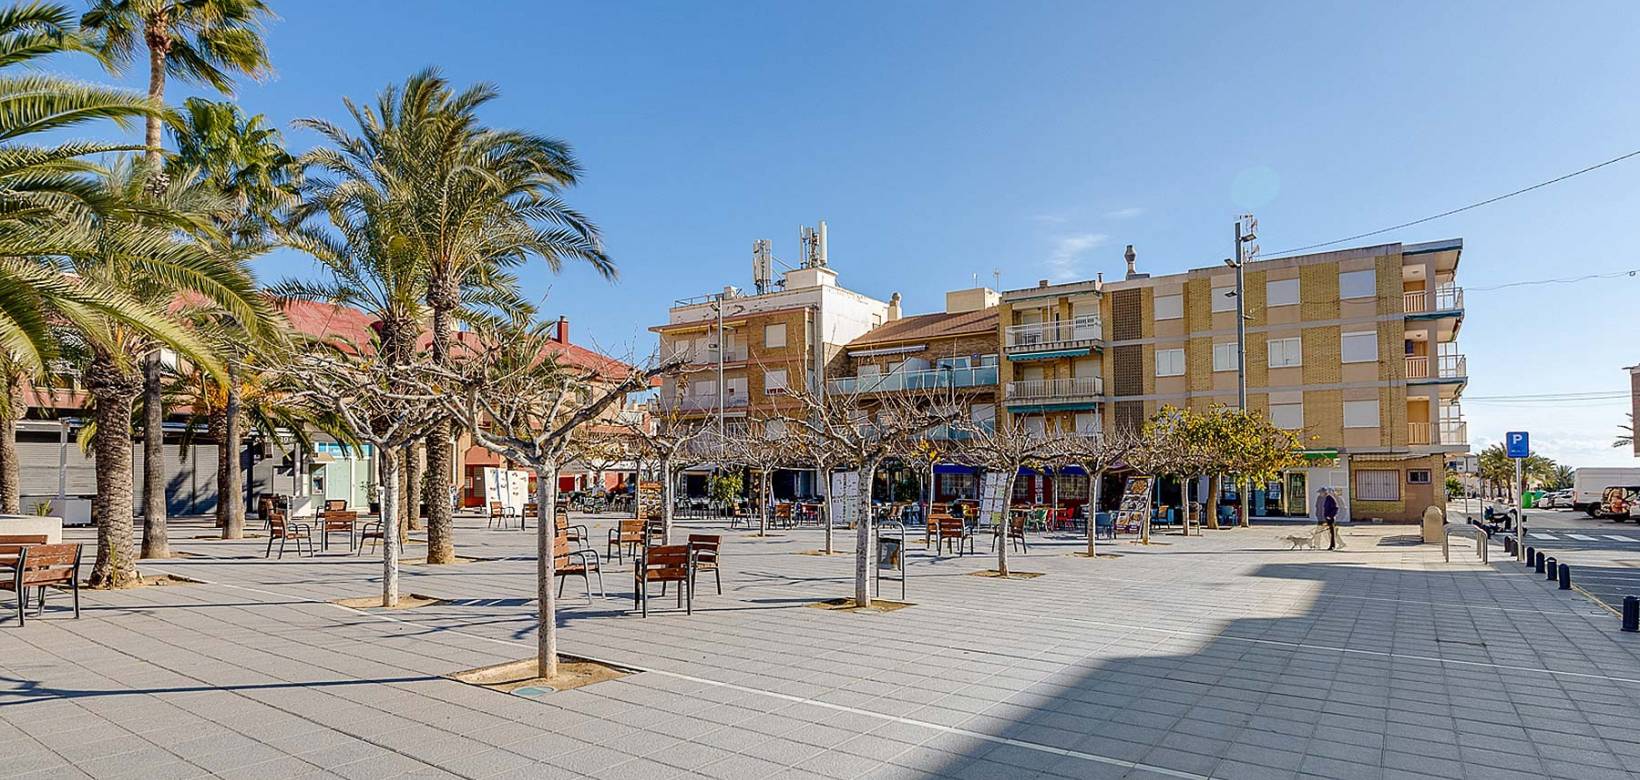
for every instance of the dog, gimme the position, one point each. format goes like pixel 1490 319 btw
pixel 1300 541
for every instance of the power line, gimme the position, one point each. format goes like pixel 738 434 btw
pixel 1568 280
pixel 1461 209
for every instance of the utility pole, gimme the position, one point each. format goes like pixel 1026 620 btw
pixel 720 387
pixel 1246 232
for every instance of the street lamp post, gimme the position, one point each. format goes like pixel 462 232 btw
pixel 1240 264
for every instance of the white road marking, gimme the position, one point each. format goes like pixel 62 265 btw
pixel 1543 536
pixel 1581 537
pixel 1616 538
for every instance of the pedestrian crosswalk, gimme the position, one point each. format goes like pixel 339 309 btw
pixel 1583 537
pixel 1580 537
pixel 1616 538
pixel 1545 537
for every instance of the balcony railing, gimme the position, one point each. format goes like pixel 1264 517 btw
pixel 1045 389
pixel 1048 335
pixel 1446 432
pixel 1447 297
pixel 1450 366
pixel 900 381
pixel 703 403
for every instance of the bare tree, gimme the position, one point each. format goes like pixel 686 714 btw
pixel 383 404
pixel 1005 447
pixel 672 442
pixel 862 432
pixel 1097 454
pixel 601 450
pixel 518 402
pixel 761 449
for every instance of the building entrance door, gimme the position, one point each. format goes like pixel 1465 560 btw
pixel 1297 498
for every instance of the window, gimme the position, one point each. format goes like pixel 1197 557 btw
pixel 1087 423
pixel 1360 414
pixel 1224 299
pixel 1417 476
pixel 1224 356
pixel 1287 416
pixel 984 416
pixel 774 429
pixel 1281 292
pixel 1286 352
pixel 1169 362
pixel 1378 485
pixel 774 381
pixel 774 336
pixel 958 485
pixel 705 388
pixel 1358 284
pixel 1169 307
pixel 1035 424
pixel 1358 347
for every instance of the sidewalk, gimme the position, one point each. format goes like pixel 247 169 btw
pixel 1224 655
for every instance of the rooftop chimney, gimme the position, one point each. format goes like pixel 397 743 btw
pixel 562 337
pixel 1133 271
pixel 1042 282
pixel 893 307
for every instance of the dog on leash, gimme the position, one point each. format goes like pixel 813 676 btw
pixel 1300 541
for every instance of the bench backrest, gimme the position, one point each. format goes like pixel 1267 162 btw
pixel 705 546
pixel 631 529
pixel 45 564
pixel 950 526
pixel 335 504
pixel 335 519
pixel 276 523
pixel 667 562
pixel 11 539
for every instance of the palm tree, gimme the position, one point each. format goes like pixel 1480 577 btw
pixel 470 202
pixel 196 41
pixel 148 259
pixel 40 187
pixel 1626 438
pixel 245 162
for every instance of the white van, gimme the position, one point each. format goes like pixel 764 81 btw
pixel 1589 483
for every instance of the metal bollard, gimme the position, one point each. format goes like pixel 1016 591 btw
pixel 1549 568
pixel 1631 614
pixel 1538 562
pixel 1509 544
pixel 1530 551
pixel 1565 577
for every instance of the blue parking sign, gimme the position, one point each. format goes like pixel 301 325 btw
pixel 1517 443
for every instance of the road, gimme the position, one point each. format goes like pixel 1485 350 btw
pixel 1604 554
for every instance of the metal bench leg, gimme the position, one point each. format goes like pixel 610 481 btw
pixel 601 593
pixel 75 586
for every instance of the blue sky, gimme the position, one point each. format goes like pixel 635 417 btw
pixel 946 140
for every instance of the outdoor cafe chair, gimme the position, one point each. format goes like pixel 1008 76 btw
pixel 285 530
pixel 341 522
pixel 576 563
pixel 626 533
pixel 373 532
pixel 335 505
pixel 41 566
pixel 1016 534
pixel 500 515
pixel 664 564
pixel 705 549
pixel 953 534
pixel 576 533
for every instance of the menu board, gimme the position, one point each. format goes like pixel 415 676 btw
pixel 1134 511
pixel 650 500
pixel 844 497
pixel 993 505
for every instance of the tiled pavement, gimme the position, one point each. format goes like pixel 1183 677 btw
pixel 1218 656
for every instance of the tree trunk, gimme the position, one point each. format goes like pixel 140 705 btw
pixel 1004 522
pixel 112 508
pixel 546 599
pixel 157 35
pixel 414 473
pixel 442 298
pixel 823 475
pixel 668 489
pixel 1098 479
pixel 1244 489
pixel 1210 503
pixel 154 536
pixel 11 410
pixel 230 498
pixel 863 553
pixel 763 503
pixel 390 507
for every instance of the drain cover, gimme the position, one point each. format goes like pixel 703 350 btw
pixel 532 691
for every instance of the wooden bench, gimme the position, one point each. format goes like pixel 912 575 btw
pixel 664 564
pixel 951 532
pixel 40 566
pixel 1016 534
pixel 285 530
pixel 577 533
pixel 625 533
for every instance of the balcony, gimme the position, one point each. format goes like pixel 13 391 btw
pixel 1446 367
pixel 1449 432
pixel 903 381
pixel 703 403
pixel 1446 298
pixel 1080 333
pixel 1048 390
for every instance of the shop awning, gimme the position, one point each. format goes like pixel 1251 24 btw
pixel 1049 355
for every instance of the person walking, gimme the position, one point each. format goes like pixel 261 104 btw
pixel 1327 508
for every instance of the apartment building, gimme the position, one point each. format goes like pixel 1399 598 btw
pixel 769 342
pixel 1052 336
pixel 1355 349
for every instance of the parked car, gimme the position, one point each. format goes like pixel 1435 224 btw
pixel 1619 502
pixel 1556 499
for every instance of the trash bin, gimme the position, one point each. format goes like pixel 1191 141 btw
pixel 888 553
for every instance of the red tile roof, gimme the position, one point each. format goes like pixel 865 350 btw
pixel 923 327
